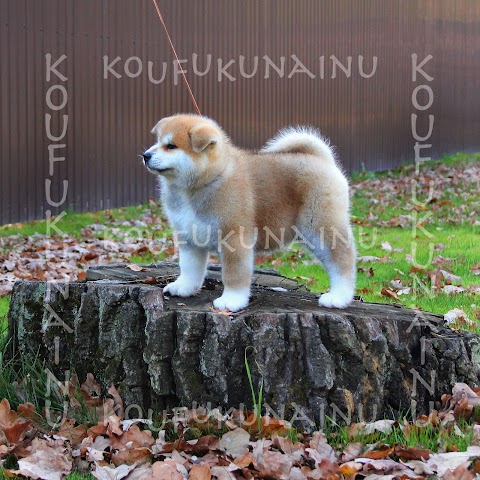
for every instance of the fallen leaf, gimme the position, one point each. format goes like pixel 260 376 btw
pixel 13 426
pixel 452 289
pixel 384 426
pixel 379 452
pixel 450 276
pixel 200 472
pixel 235 443
pixel 412 453
pixel 73 434
pixel 441 462
pixel 460 473
pixel 132 456
pixel 271 464
pixel 166 470
pixel 386 246
pixel 136 268
pixel 368 259
pixel 456 315
pixel 82 276
pixel 475 269
pixel 222 473
pixel 320 445
pixel 388 292
pixel 134 437
pixel 109 473
pixel 351 451
pixel 46 462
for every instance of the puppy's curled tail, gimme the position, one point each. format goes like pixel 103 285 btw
pixel 306 140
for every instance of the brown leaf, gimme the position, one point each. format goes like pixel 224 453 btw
pixel 134 437
pixel 319 443
pixel 7 415
pixel 244 460
pixel 270 464
pixel 205 444
pixel 82 276
pixel 388 292
pixel 166 470
pixel 99 429
pixel 136 268
pixel 118 403
pixel 379 453
pixel 178 445
pixel 416 269
pixel 475 269
pixel 105 472
pixel 130 456
pixel 268 425
pixel 351 451
pixel 412 453
pixel 74 435
pixel 235 443
pixel 91 386
pixel 350 469
pixel 150 280
pixel 200 472
pixel 327 470
pixel 286 445
pixel 435 277
pixel 13 426
pixel 46 462
pixel 222 473
pixel 460 473
pixel 113 425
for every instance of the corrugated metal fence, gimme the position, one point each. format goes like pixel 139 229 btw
pixel 296 54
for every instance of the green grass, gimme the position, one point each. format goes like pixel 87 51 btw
pixel 462 247
pixel 4 304
pixel 72 223
pixel 429 436
pixel 461 241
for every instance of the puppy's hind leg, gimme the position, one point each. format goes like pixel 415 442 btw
pixel 336 250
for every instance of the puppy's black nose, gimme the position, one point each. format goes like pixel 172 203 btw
pixel 146 157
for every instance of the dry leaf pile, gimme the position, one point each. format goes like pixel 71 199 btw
pixel 435 186
pixel 65 257
pixel 244 448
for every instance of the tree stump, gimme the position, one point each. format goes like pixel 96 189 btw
pixel 368 362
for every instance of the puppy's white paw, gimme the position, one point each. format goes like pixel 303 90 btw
pixel 181 288
pixel 335 300
pixel 233 300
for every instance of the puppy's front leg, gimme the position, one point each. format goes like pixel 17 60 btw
pixel 193 264
pixel 237 269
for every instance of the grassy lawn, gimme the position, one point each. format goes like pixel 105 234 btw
pixel 379 199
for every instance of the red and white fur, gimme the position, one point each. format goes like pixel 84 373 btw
pixel 221 198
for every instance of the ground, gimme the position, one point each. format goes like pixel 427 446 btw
pixel 425 256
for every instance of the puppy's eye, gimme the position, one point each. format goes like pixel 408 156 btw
pixel 170 146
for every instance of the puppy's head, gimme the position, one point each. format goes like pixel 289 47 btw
pixel 188 148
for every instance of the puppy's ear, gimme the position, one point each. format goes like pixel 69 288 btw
pixel 156 129
pixel 203 136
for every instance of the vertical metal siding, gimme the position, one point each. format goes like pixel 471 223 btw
pixel 110 119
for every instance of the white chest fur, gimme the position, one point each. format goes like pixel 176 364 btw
pixel 191 222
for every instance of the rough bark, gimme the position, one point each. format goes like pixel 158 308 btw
pixel 368 361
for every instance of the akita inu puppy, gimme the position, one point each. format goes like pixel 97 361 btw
pixel 221 198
